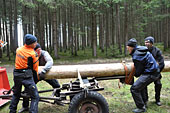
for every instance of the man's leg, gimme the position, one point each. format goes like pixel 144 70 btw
pixel 158 87
pixel 16 95
pixel 145 95
pixel 54 83
pixel 25 104
pixel 33 92
pixel 137 89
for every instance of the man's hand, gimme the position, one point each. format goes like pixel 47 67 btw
pixel 41 75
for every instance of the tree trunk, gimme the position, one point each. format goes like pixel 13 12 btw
pixel 118 27
pixel 50 27
pixel 6 30
pixel 24 20
pixel 41 27
pixel 0 34
pixel 168 27
pixel 60 44
pixel 101 33
pixel 92 70
pixel 15 26
pixel 76 29
pixel 55 33
pixel 125 27
pixel 30 25
pixel 94 35
pixel 82 30
pixel 64 29
pixel 70 29
pixel 11 29
pixel 37 23
pixel 112 25
pixel 107 30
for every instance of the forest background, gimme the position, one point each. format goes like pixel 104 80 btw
pixel 83 28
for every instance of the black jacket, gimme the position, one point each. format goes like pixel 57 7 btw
pixel 157 54
pixel 143 60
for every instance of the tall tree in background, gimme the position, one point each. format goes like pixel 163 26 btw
pixel 125 36
pixel 6 30
pixel 11 27
pixel 15 24
pixel 94 34
pixel 55 38
pixel 118 27
pixel 64 30
pixel 1 27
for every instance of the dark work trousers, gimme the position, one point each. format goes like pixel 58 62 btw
pixel 139 87
pixel 53 82
pixel 158 86
pixel 31 87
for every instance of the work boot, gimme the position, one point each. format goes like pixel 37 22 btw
pixel 23 109
pixel 139 110
pixel 158 103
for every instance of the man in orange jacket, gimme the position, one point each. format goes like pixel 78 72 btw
pixel 26 65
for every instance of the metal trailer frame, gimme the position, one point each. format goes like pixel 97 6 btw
pixel 80 85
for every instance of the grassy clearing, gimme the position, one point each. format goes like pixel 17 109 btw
pixel 119 100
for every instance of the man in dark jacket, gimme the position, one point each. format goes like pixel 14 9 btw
pixel 157 54
pixel 146 69
pixel 44 60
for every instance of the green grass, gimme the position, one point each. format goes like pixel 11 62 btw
pixel 119 99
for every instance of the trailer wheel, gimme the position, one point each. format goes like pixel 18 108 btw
pixel 93 103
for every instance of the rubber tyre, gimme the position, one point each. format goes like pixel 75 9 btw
pixel 93 101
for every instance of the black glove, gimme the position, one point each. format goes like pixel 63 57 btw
pixel 41 75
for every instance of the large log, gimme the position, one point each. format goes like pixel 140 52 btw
pixel 92 70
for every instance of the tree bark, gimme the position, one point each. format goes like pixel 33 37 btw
pixel 15 26
pixel 11 28
pixel 118 27
pixel 24 20
pixel 92 70
pixel 55 33
pixel 64 29
pixel 6 30
pixel 125 27
pixel 94 35
pixel 107 31
pixel 101 33
pixel 50 27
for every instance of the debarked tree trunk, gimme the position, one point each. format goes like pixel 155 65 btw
pixel 92 70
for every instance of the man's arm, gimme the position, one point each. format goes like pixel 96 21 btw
pixel 49 62
pixel 160 60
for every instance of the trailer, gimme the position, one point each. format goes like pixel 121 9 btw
pixel 82 94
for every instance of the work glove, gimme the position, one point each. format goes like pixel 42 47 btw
pixel 41 75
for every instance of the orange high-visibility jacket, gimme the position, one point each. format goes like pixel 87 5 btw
pixel 26 58
pixel 1 42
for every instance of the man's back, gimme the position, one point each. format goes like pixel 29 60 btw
pixel 25 58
